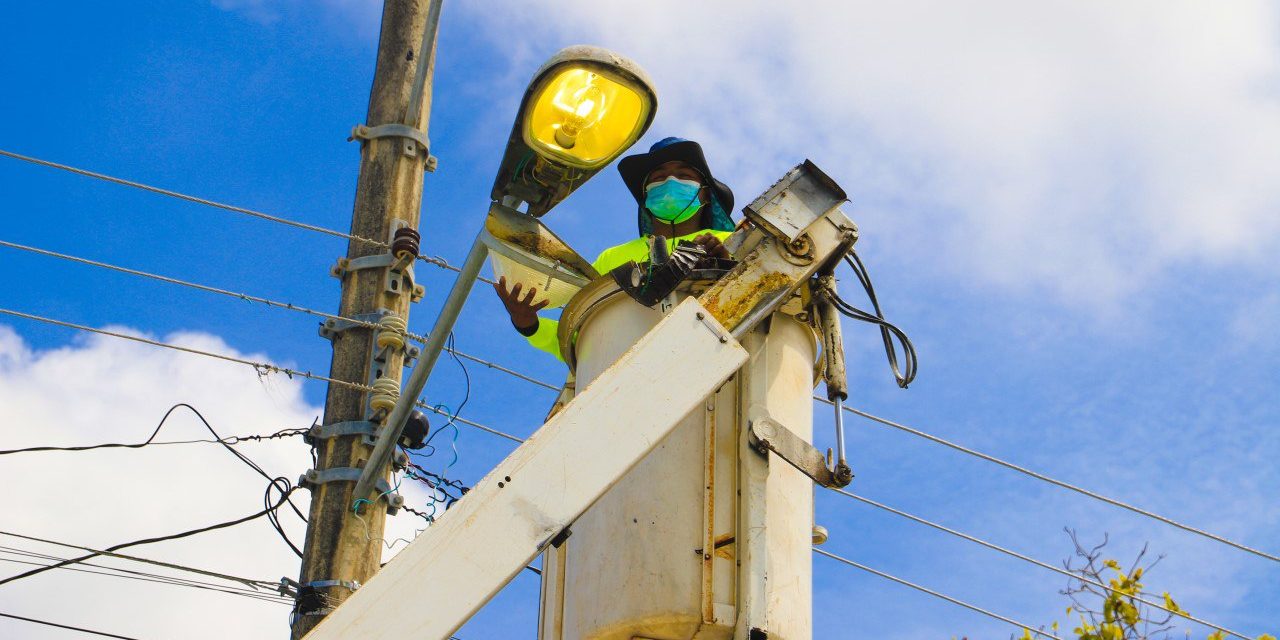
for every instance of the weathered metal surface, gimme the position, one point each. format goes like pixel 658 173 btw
pixel 528 234
pixel 637 564
pixel 771 436
pixel 709 457
pixel 775 519
pixel 797 226
pixel 542 487
pixel 795 202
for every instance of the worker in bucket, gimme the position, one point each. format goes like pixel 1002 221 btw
pixel 677 198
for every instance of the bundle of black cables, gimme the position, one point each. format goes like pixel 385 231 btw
pixel 888 332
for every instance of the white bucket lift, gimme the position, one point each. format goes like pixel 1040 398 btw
pixel 660 556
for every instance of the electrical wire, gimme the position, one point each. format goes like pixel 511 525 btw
pixel 289 306
pixel 200 287
pixel 66 626
pixel 888 331
pixel 433 260
pixel 189 198
pixel 1060 483
pixel 466 394
pixel 265 584
pixel 184 534
pixel 1038 563
pixel 515 374
pixel 150 441
pixel 935 594
pixel 262 368
pixel 500 434
pixel 280 483
pixel 159 580
pixel 435 480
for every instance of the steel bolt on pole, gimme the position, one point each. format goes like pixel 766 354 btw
pixel 341 552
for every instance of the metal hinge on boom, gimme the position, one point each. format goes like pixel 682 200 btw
pixel 767 435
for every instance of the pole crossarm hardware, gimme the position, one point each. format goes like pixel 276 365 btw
pixel 533 495
pixel 435 343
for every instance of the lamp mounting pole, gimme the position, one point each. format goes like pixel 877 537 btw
pixel 341 553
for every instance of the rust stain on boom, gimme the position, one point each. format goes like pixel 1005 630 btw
pixel 732 299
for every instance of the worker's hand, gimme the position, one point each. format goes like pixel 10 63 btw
pixel 524 314
pixel 713 245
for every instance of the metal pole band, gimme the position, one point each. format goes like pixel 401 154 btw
pixel 416 139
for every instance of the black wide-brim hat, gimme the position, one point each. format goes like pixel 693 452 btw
pixel 636 168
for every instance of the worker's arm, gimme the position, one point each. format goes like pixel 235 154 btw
pixel 544 336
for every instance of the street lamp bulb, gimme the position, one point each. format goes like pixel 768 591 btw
pixel 584 116
pixel 580 110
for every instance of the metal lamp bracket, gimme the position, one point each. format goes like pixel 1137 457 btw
pixel 316 477
pixel 412 138
pixel 399 276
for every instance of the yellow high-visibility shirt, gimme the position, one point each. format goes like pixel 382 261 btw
pixel 637 250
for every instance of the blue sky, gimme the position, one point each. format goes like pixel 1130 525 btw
pixel 1071 208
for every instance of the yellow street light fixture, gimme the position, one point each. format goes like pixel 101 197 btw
pixel 582 109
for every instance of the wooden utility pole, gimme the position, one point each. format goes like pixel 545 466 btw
pixel 341 551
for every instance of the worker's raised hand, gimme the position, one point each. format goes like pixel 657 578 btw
pixel 524 314
pixel 713 245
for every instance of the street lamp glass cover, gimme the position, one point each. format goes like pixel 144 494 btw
pixel 584 116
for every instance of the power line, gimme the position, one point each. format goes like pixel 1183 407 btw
pixel 423 405
pixel 1031 560
pixel 231 440
pixel 66 626
pixel 153 578
pixel 265 584
pixel 433 260
pixel 934 593
pixel 261 367
pixel 184 534
pixel 149 442
pixel 1060 483
pixel 118 572
pixel 195 285
pixel 289 306
pixel 189 198
pixel 498 367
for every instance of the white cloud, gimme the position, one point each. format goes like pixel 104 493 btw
pixel 108 390
pixel 1077 147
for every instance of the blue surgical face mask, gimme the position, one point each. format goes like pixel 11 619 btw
pixel 673 200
